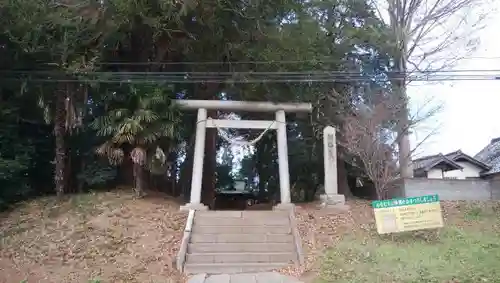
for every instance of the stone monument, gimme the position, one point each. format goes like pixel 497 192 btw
pixel 331 197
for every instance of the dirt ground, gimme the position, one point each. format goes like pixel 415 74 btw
pixel 113 237
pixel 110 237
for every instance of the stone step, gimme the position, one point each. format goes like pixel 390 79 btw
pixel 240 238
pixel 242 214
pixel 240 247
pixel 219 268
pixel 239 221
pixel 241 257
pixel 201 228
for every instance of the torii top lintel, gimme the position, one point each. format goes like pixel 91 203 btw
pixel 249 106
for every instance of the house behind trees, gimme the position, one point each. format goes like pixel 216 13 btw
pixel 454 165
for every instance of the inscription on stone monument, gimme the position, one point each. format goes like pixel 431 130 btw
pixel 331 146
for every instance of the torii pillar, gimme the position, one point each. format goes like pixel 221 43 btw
pixel 279 124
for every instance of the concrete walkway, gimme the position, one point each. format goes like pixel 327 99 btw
pixel 263 277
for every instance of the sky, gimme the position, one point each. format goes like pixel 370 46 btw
pixel 470 117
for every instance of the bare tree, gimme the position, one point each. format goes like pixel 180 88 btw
pixel 427 35
pixel 370 135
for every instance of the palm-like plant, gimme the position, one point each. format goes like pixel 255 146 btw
pixel 144 120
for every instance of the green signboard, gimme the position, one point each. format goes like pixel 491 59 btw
pixel 404 201
pixel 407 214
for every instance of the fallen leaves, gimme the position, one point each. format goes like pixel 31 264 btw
pixel 319 228
pixel 111 236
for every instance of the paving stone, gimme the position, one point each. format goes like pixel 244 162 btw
pixel 243 278
pixel 273 277
pixel 219 278
pixel 198 278
pixel 261 277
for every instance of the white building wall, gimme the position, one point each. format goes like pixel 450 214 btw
pixel 435 174
pixel 470 170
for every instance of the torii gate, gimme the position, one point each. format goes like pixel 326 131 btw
pixel 203 122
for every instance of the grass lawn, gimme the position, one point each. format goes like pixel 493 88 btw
pixel 466 250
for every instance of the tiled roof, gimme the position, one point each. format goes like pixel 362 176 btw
pixel 423 161
pixel 491 156
pixel 427 162
pixel 459 155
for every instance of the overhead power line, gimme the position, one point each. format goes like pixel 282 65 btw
pixel 326 60
pixel 164 79
pixel 246 77
pixel 220 73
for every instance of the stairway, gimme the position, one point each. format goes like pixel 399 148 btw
pixel 240 241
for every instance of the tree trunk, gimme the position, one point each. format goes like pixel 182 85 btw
pixel 343 185
pixel 173 174
pixel 403 120
pixel 186 170
pixel 126 169
pixel 209 91
pixel 186 175
pixel 310 190
pixel 265 157
pixel 68 180
pixel 138 180
pixel 404 145
pixel 209 165
pixel 60 146
pixel 403 128
pixel 259 164
pixel 81 183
